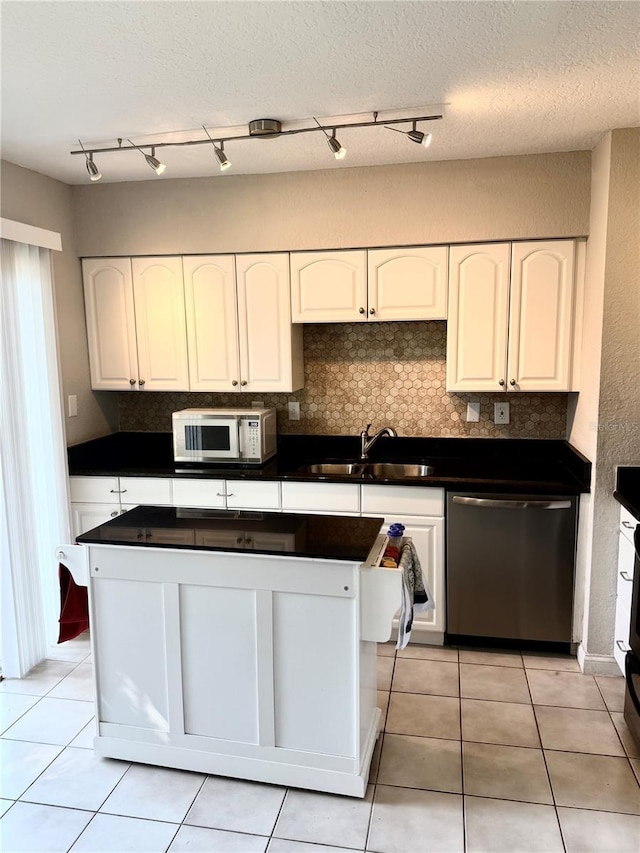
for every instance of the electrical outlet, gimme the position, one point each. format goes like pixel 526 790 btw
pixel 473 411
pixel 501 413
pixel 294 411
pixel 72 403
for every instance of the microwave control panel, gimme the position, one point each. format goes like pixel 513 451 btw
pixel 250 438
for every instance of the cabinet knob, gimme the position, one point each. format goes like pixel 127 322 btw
pixel 234 382
pixel 140 381
pixel 512 382
pixel 372 310
pixel 132 382
pixel 501 382
pixel 113 514
pixel 361 310
pixel 239 540
pixel 244 382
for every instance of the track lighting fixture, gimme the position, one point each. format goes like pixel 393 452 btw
pixel 266 128
pixel 94 172
pixel 222 158
pixel 151 159
pixel 338 151
pixel 415 135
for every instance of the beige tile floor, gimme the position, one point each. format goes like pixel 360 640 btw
pixel 481 752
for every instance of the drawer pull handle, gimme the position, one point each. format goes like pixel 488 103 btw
pixel 622 646
pixel 117 491
pixel 220 495
pixel 628 525
pixel 230 494
pixel 626 577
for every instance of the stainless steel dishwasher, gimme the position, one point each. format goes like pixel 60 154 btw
pixel 510 566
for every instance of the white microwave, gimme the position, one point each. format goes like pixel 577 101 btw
pixel 246 436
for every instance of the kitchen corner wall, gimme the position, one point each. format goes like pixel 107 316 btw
pixel 387 374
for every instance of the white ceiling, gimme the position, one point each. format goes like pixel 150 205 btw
pixel 510 77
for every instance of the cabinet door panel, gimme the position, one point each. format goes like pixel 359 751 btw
pixel 264 323
pixel 158 294
pixel 330 498
pixel 541 316
pixel 94 489
pixel 212 325
pixel 313 673
pixel 408 284
pixel 86 516
pixel 478 314
pixel 132 683
pixel 328 287
pixel 111 333
pixel 220 690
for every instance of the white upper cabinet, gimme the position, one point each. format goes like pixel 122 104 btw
pixel 158 294
pixel 271 357
pixel 111 331
pixel 541 316
pixel 329 287
pixel 212 322
pixel 408 284
pixel 378 284
pixel 511 317
pixel 478 312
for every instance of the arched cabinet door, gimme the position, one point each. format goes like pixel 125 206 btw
pixel 111 331
pixel 329 287
pixel 408 284
pixel 541 316
pixel 212 322
pixel 478 316
pixel 270 347
pixel 158 294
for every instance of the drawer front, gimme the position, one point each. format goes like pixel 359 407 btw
pixel 626 562
pixel 155 491
pixel 627 524
pixel 621 634
pixel 250 494
pixel 94 489
pixel 403 500
pixel 204 493
pixel 329 498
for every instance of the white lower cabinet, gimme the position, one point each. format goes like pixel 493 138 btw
pixel 86 516
pixel 244 665
pixel 626 563
pixel 95 500
pixel 227 494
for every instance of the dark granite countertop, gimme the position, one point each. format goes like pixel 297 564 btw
pixel 292 535
pixel 627 490
pixel 535 466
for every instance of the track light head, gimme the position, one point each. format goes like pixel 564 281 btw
pixel 94 172
pixel 415 135
pixel 222 158
pixel 154 163
pixel 338 151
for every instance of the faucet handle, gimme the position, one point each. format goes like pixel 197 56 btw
pixel 367 428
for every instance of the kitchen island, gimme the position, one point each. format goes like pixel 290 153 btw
pixel 240 643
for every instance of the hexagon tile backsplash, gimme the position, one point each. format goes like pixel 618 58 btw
pixel 386 374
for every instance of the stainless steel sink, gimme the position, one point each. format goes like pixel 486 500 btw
pixel 372 470
pixel 334 469
pixel 394 470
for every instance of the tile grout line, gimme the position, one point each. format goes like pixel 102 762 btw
pixel 610 713
pixel 464 796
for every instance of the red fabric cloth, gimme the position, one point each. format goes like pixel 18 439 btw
pixel 74 606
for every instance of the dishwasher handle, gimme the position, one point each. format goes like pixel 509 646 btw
pixel 499 503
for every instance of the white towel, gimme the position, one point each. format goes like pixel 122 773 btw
pixel 416 595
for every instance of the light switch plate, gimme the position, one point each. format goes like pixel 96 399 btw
pixel 294 411
pixel 72 403
pixel 501 413
pixel 473 411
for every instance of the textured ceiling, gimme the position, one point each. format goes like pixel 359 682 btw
pixel 510 77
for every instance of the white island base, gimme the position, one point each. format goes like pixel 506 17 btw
pixel 253 666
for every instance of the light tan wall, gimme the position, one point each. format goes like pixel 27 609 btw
pixel 618 431
pixel 34 199
pixel 543 195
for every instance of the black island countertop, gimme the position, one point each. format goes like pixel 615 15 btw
pixel 286 534
pixel 537 466
pixel 627 490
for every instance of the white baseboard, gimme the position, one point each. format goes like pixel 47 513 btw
pixel 592 664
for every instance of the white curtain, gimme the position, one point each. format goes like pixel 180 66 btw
pixel 34 515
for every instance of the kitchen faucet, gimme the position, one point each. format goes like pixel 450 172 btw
pixel 367 442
